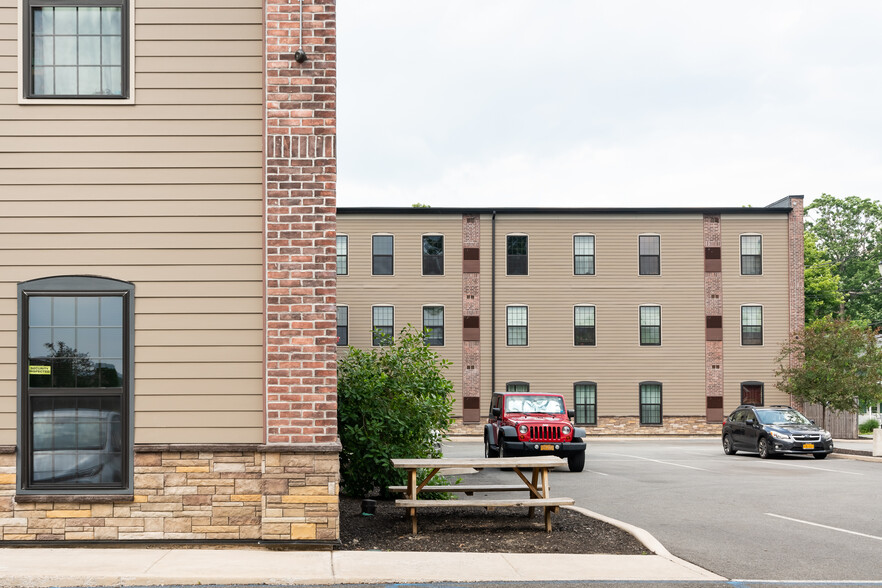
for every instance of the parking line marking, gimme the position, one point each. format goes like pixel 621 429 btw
pixel 596 472
pixel 825 527
pixel 796 465
pixel 679 465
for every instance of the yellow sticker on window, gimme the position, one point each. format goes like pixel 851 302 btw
pixel 39 370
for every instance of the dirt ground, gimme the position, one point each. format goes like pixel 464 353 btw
pixel 507 530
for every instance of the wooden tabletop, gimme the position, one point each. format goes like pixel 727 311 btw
pixel 478 463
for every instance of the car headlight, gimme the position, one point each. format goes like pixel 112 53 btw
pixel 782 436
pixel 566 430
pixel 826 435
pixel 522 429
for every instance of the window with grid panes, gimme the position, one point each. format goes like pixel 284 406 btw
pixel 585 402
pixel 382 325
pixel 516 326
pixel 751 255
pixel 517 387
pixel 650 325
pixel 650 255
pixel 650 403
pixel 583 255
pixel 383 251
pixel 583 326
pixel 433 322
pixel 342 255
pixel 751 325
pixel 343 325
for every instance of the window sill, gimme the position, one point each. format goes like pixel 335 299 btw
pixel 81 498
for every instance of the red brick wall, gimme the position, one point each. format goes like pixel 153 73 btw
pixel 471 306
pixel 713 306
pixel 301 175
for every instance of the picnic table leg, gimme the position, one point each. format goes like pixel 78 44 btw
pixel 413 521
pixel 548 519
pixel 534 494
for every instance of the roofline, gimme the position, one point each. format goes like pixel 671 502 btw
pixel 781 206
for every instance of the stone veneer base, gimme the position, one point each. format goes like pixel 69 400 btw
pixel 191 495
pixel 624 425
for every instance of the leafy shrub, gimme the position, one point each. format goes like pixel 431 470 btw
pixel 392 402
pixel 866 427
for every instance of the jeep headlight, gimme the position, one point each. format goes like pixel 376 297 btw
pixel 523 429
pixel 778 435
pixel 566 430
pixel 826 435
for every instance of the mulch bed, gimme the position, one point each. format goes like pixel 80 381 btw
pixel 505 530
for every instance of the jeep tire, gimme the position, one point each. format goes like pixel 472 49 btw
pixel 576 461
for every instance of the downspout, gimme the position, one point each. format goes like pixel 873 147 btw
pixel 493 303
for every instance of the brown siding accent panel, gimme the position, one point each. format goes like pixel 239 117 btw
pixel 715 409
pixel 713 259
pixel 713 328
pixel 471 328
pixel 471 260
pixel 471 409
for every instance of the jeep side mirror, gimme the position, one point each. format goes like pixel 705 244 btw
pixel 495 411
pixel 571 414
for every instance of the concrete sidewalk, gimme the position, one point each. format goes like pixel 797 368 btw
pixel 149 567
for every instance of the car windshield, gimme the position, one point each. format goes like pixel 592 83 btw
pixel 534 403
pixel 781 417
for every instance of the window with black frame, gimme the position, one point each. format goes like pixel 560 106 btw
pixel 342 255
pixel 343 326
pixel 516 326
pixel 383 251
pixel 751 255
pixel 585 402
pixel 76 49
pixel 75 385
pixel 583 255
pixel 751 325
pixel 382 324
pixel 583 326
pixel 650 403
pixel 516 255
pixel 650 255
pixel 433 255
pixel 433 325
pixel 517 386
pixel 650 325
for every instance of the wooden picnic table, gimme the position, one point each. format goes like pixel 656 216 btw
pixel 537 485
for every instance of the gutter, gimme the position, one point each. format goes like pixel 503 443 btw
pixel 493 303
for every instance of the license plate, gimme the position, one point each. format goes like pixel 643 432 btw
pixel 808 445
pixel 546 448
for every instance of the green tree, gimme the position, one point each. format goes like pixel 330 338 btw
pixel 832 362
pixel 822 286
pixel 849 232
pixel 393 402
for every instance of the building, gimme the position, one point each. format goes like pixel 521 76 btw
pixel 167 353
pixel 650 321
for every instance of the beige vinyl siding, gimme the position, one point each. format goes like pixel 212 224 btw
pixel 617 363
pixel 166 193
pixel 407 290
pixel 750 362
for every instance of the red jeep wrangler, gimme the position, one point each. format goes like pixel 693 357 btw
pixel 529 423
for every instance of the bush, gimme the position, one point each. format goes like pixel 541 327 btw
pixel 866 427
pixel 392 402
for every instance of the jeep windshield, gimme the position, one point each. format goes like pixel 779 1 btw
pixel 534 404
pixel 781 417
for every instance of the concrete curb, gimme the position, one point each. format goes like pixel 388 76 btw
pixel 649 541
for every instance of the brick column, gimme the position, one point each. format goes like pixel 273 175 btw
pixel 471 312
pixel 796 263
pixel 713 311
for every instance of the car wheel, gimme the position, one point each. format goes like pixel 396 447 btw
pixel 728 447
pixel 820 455
pixel 576 461
pixel 502 447
pixel 763 449
pixel 488 450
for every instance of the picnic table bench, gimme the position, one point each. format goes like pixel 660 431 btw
pixel 536 486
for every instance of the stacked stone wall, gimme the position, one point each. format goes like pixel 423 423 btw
pixel 623 425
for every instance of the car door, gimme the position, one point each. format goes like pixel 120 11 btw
pixel 736 428
pixel 752 430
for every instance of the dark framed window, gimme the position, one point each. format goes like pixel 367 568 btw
pixel 342 255
pixel 76 49
pixel 751 255
pixel 650 403
pixel 583 255
pixel 383 251
pixel 382 325
pixel 516 255
pixel 585 402
pixel 75 343
pixel 433 255
pixel 583 325
pixel 650 255
pixel 650 325
pixel 343 326
pixel 517 387
pixel 433 325
pixel 751 325
pixel 516 326
pixel 752 393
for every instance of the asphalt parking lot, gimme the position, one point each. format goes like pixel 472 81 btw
pixel 786 519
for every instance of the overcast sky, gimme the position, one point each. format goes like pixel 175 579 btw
pixel 607 103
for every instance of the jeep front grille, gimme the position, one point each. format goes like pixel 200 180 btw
pixel 545 433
